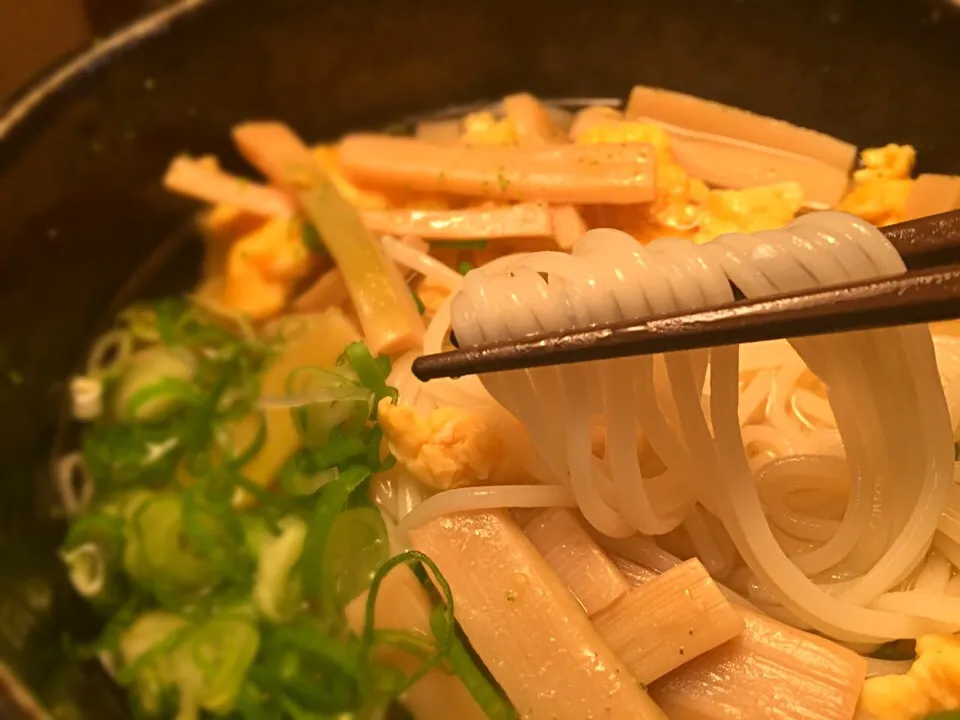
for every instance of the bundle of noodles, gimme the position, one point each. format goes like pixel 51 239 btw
pixel 837 570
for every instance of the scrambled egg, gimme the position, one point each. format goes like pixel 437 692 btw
pixel 360 198
pixel 881 187
pixel 260 260
pixel 932 684
pixel 482 128
pixel 749 210
pixel 678 195
pixel 262 267
pixel 450 448
pixel 684 205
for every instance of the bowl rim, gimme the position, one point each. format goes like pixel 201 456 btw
pixel 62 74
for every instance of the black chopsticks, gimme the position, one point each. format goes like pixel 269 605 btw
pixel 930 291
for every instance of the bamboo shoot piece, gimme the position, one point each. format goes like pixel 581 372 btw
pixel 734 148
pixel 402 604
pixel 507 221
pixel 204 181
pixel 770 671
pixel 528 630
pixel 578 174
pixel 635 573
pixel 579 562
pixel 330 290
pixel 697 114
pixel 383 301
pixel 315 339
pixel 531 122
pixel 932 194
pixel 659 626
pixel 568 225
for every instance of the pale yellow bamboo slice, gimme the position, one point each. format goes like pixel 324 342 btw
pixel 662 624
pixel 697 114
pixel 734 148
pixel 770 671
pixel 932 194
pixel 634 572
pixel 528 630
pixel 402 604
pixel 579 562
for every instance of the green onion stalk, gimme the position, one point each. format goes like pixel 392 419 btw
pixel 213 610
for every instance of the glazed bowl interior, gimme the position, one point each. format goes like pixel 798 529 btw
pixel 81 153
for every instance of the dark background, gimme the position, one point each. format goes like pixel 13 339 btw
pixel 34 34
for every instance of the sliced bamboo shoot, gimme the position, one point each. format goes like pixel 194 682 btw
pixel 508 221
pixel 531 122
pixel 579 562
pixel 315 339
pixel 380 296
pixel 402 604
pixel 932 194
pixel 694 113
pixel 568 225
pixel 528 630
pixel 659 626
pixel 579 174
pixel 770 671
pixel 634 572
pixel 734 148
pixel 202 180
pixel 329 290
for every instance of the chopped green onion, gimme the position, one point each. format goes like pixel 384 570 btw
pixel 330 501
pixel 157 380
pixel 299 476
pixel 370 372
pixel 356 546
pixel 311 239
pixel 421 308
pixel 459 245
pixel 444 639
pixel 87 569
pixel 277 591
pixel 219 653
pixel 110 352
pixel 330 400
pixel 160 555
pixel 490 699
pixel 464 267
pixel 226 611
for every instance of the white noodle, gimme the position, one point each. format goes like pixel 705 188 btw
pixel 422 263
pixel 487 498
pixel 826 538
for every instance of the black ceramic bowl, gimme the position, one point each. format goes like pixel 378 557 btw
pixel 81 208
